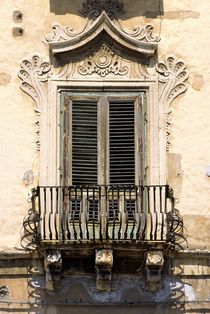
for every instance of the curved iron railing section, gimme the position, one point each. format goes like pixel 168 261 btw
pixel 101 213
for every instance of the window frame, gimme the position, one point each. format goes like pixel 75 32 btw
pixel 103 101
pixel 50 125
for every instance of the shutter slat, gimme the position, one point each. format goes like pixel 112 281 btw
pixel 84 142
pixel 121 142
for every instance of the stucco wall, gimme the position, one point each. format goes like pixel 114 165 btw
pixel 184 30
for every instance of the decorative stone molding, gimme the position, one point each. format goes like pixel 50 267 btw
pixel 93 8
pixel 154 266
pixel 103 62
pixel 172 75
pixel 33 73
pixel 53 267
pixel 4 293
pixel 140 39
pixel 103 264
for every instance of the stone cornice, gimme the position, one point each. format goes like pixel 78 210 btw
pixel 139 40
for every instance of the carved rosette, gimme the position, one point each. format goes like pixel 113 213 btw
pixel 93 8
pixel 172 75
pixel 103 62
pixel 33 73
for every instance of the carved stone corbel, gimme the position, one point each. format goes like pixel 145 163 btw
pixel 154 266
pixel 33 73
pixel 53 268
pixel 172 75
pixel 103 264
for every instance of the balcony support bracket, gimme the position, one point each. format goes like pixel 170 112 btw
pixel 53 268
pixel 154 265
pixel 103 264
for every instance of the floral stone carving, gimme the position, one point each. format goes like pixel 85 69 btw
pixel 172 74
pixel 103 62
pixel 33 74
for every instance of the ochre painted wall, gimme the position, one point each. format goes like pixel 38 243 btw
pixel 184 30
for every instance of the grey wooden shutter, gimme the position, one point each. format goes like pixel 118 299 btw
pixel 84 142
pixel 65 134
pixel 121 142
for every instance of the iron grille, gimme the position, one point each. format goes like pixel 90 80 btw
pixel 112 212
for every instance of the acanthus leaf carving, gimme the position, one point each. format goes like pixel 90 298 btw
pixel 33 73
pixel 141 33
pixel 103 62
pixel 172 75
pixel 63 33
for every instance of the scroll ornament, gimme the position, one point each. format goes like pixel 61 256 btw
pixel 33 74
pixel 172 75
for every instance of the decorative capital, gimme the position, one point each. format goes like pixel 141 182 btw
pixel 93 8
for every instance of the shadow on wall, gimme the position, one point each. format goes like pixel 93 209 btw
pixel 133 8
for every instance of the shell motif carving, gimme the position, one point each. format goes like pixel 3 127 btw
pixel 33 74
pixel 103 62
pixel 173 76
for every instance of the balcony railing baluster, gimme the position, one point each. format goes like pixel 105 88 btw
pixel 103 213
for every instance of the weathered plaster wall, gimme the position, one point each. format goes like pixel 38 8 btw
pixel 184 30
pixel 186 291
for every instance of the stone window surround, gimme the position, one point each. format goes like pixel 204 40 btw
pixel 49 166
pixel 162 86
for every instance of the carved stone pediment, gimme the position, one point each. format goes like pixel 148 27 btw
pixel 102 61
pixel 139 40
pixel 103 50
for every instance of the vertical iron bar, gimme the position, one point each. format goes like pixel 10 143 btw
pixel 155 212
pixel 87 215
pixel 74 212
pixel 99 213
pixel 120 214
pixel 51 213
pixel 45 213
pixel 94 213
pixel 80 213
pixel 143 211
pixel 126 214
pixel 161 212
pixel 62 213
pixel 68 214
pixel 113 208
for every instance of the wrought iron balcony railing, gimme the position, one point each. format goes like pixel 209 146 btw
pixel 103 213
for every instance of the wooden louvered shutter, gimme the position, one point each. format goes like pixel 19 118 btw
pixel 121 142
pixel 66 138
pixel 84 142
